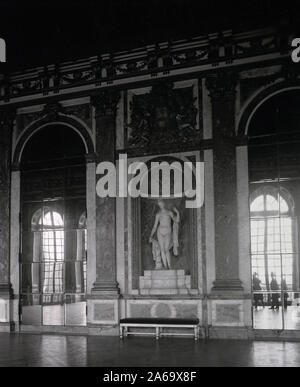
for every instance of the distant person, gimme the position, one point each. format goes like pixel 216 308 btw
pixel 285 293
pixel 256 284
pixel 275 296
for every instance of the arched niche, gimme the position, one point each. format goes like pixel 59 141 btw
pixel 142 216
pixel 258 99
pixel 62 121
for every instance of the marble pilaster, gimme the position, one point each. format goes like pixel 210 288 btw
pixel 222 88
pixel 6 125
pixel 105 105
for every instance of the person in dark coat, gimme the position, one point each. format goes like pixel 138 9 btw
pixel 275 296
pixel 256 284
pixel 285 293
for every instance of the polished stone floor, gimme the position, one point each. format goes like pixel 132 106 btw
pixel 264 318
pixel 57 350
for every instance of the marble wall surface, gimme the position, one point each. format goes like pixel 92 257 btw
pixel 5 154
pixel 214 241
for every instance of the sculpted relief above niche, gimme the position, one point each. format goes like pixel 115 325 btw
pixel 164 116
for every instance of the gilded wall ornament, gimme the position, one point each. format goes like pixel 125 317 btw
pixel 164 115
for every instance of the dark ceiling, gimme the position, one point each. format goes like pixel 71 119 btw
pixel 49 31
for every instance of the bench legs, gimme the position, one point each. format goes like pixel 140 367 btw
pixel 123 332
pixel 196 333
pixel 157 333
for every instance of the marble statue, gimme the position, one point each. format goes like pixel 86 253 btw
pixel 166 227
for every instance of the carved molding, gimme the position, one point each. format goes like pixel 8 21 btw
pixel 217 49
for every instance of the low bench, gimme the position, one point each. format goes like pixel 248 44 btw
pixel 158 324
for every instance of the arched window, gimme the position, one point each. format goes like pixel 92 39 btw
pixel 48 227
pixel 272 235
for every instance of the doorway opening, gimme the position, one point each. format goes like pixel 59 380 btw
pixel 274 175
pixel 53 256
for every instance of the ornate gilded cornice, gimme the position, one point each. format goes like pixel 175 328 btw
pixel 162 60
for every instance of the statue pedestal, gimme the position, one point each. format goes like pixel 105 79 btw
pixel 157 282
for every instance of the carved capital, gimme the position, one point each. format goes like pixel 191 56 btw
pixel 106 102
pixel 222 85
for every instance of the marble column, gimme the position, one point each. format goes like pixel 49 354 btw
pixel 222 91
pixel 6 126
pixel 91 221
pixel 105 107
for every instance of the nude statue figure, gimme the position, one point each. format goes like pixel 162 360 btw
pixel 167 236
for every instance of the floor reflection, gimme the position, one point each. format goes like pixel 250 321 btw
pixel 80 351
pixel 265 318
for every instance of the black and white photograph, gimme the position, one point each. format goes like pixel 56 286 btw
pixel 149 186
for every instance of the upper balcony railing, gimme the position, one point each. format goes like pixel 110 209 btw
pixel 161 60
